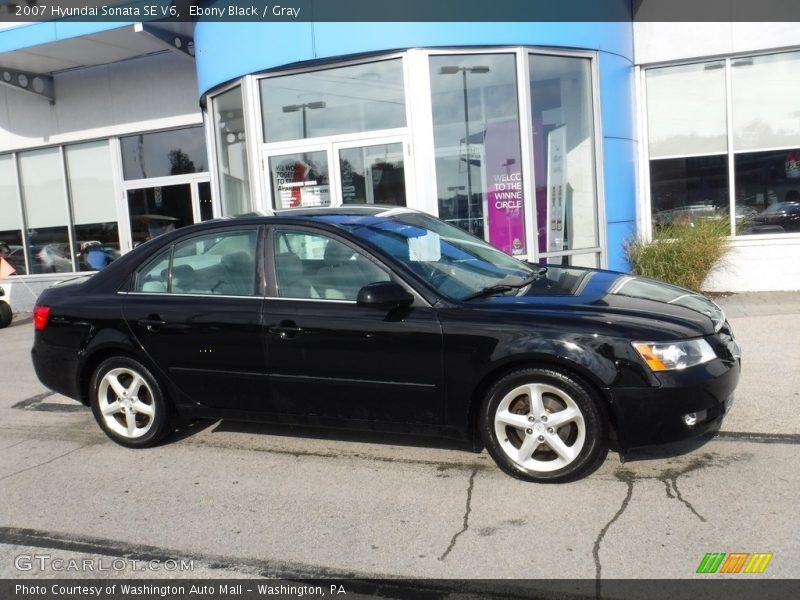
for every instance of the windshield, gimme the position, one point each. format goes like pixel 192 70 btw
pixel 454 262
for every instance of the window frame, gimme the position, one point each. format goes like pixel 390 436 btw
pixel 259 263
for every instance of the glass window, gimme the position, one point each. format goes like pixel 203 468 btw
pixel 768 192
pixel 216 264
pixel 765 92
pixel 300 179
pixel 43 193
pixel 154 277
pixel 686 110
pixel 683 190
pixel 11 247
pixel 562 111
pixel 373 175
pixel 348 99
pixel 94 211
pixel 314 266
pixel 477 146
pixel 173 152
pixel 157 210
pixel 229 133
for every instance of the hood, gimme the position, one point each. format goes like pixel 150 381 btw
pixel 617 294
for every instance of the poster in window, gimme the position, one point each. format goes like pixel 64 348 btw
pixel 505 201
pixel 556 188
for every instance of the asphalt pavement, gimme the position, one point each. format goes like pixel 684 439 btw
pixel 243 500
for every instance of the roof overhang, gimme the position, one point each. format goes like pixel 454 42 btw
pixel 30 67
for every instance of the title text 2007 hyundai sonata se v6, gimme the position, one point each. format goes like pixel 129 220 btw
pixel 386 319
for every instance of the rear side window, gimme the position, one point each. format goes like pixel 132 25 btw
pixel 216 264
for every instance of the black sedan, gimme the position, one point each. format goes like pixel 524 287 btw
pixel 386 319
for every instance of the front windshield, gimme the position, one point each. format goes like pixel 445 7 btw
pixel 454 262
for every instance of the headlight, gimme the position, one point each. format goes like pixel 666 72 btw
pixel 669 356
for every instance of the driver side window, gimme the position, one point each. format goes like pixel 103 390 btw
pixel 313 266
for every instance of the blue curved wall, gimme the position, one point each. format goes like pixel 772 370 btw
pixel 226 51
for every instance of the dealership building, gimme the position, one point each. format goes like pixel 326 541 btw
pixel 555 141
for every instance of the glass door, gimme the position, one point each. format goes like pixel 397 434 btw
pixel 372 174
pixel 156 209
pixel 360 171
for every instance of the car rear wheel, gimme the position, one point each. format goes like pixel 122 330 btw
pixel 544 425
pixel 128 403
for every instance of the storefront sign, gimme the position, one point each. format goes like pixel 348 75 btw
pixel 297 186
pixel 506 204
pixel 556 188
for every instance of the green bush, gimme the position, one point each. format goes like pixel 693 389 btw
pixel 681 253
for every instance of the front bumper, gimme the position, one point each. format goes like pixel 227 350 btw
pixel 653 416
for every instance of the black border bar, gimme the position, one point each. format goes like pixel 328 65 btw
pixel 497 11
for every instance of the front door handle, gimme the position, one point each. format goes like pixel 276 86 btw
pixel 286 330
pixel 153 323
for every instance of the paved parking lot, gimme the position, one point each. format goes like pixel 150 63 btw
pixel 245 500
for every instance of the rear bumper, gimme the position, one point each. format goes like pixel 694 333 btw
pixel 57 368
pixel 655 416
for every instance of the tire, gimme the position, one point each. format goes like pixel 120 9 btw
pixel 5 314
pixel 563 438
pixel 128 403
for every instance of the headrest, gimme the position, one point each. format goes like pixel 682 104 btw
pixel 337 253
pixel 237 260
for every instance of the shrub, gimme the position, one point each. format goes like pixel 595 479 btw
pixel 681 253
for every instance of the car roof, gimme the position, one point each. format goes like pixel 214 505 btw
pixel 340 216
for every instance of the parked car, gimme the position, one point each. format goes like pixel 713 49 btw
pixel 776 218
pixel 386 319
pixel 687 215
pixel 52 258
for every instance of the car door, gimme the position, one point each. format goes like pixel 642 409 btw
pixel 329 357
pixel 195 308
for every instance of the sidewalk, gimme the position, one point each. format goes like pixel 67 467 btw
pixel 759 304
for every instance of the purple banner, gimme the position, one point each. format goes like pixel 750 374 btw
pixel 506 204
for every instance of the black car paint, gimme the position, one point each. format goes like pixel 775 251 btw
pixel 422 368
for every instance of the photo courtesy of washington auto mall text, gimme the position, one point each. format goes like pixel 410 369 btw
pixel 173 589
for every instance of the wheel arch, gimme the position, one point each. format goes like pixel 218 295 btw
pixel 100 354
pixel 571 368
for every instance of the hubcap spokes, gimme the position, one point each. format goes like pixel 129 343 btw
pixel 540 427
pixel 126 402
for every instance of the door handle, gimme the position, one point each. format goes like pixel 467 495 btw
pixel 286 330
pixel 153 323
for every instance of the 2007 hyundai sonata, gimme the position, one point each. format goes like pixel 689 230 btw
pixel 386 319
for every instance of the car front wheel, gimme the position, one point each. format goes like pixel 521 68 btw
pixel 128 403
pixel 544 425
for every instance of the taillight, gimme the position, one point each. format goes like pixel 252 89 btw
pixel 40 316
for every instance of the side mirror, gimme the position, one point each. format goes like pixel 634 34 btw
pixel 384 294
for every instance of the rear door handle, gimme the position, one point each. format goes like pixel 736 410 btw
pixel 153 323
pixel 286 330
